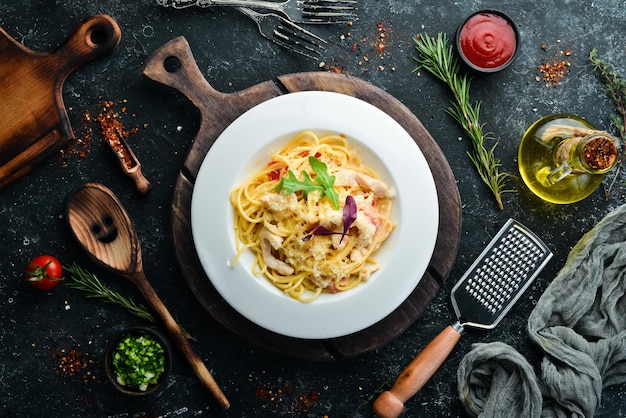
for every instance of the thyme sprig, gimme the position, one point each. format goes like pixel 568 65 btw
pixel 89 283
pixel 616 90
pixel 437 57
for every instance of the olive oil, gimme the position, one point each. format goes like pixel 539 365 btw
pixel 552 164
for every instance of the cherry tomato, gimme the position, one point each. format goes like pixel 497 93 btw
pixel 43 272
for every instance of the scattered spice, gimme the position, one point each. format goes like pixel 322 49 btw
pixel 282 398
pixel 72 363
pixel 555 69
pixel 381 42
pixel 274 395
pixel 114 132
pixel 109 124
pixel 81 145
pixel 372 48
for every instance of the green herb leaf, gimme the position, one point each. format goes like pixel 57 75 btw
pixel 615 87
pixel 89 283
pixel 292 184
pixel 437 57
pixel 323 182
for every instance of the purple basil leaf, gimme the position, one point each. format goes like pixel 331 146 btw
pixel 320 230
pixel 349 215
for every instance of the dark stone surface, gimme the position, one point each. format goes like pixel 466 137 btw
pixel 233 56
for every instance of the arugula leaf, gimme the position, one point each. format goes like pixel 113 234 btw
pixel 292 184
pixel 323 182
pixel 326 180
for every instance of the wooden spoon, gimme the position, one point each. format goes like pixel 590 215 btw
pixel 102 227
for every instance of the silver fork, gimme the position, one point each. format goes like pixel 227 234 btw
pixel 297 11
pixel 286 33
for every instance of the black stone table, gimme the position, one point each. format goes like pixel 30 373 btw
pixel 40 329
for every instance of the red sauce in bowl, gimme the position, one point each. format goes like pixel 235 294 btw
pixel 487 41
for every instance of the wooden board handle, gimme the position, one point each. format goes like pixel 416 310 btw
pixel 417 373
pixel 93 38
pixel 173 64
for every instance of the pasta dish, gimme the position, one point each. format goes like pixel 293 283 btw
pixel 312 216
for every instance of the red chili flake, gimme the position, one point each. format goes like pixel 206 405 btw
pixel 307 401
pixel 111 127
pixel 381 42
pixel 80 146
pixel 555 69
pixel 282 398
pixel 114 132
pixel 71 363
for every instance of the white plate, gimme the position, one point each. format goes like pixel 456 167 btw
pixel 383 144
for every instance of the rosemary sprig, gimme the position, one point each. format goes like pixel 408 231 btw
pixel 437 57
pixel 616 90
pixel 89 283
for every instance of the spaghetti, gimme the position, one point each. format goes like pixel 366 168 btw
pixel 301 241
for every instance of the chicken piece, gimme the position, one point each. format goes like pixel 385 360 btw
pixel 379 187
pixel 347 177
pixel 271 241
pixel 356 256
pixel 367 225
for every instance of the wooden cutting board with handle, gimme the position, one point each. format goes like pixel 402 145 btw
pixel 173 65
pixel 33 119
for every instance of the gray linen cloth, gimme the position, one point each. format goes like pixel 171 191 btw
pixel 580 325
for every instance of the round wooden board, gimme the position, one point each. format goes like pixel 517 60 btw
pixel 218 110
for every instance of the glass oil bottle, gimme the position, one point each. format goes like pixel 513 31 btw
pixel 562 158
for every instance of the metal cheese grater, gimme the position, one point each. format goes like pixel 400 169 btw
pixel 481 298
pixel 499 276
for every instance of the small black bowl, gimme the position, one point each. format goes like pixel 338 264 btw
pixel 155 335
pixel 494 15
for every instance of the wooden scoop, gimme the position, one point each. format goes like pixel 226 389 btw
pixel 33 120
pixel 102 227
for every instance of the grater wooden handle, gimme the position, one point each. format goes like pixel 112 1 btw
pixel 418 372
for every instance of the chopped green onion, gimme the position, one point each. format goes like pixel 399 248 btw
pixel 138 361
